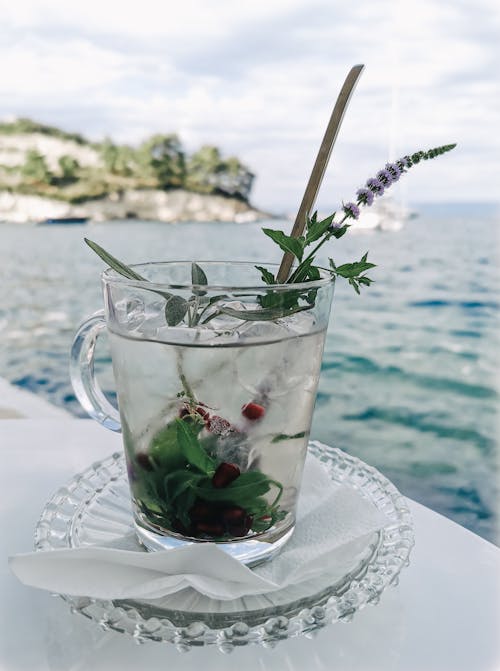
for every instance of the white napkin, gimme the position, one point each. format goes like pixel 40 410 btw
pixel 334 525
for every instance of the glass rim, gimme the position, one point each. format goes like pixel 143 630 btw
pixel 111 276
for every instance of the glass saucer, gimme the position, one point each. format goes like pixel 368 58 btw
pixel 94 509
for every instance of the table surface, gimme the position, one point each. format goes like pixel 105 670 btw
pixel 444 614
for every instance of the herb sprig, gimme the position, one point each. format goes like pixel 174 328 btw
pixel 200 309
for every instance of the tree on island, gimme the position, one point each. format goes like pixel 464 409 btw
pixel 69 167
pixel 162 158
pixel 117 159
pixel 35 169
pixel 208 172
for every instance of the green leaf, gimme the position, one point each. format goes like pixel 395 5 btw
pixel 114 263
pixel 187 438
pixel 266 314
pixel 316 229
pixel 288 244
pixel 266 275
pixel 175 310
pixel 165 451
pixel 245 488
pixel 198 277
pixel 300 273
pixel 349 270
pixel 175 483
pixel 339 232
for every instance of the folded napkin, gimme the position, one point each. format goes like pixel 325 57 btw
pixel 335 525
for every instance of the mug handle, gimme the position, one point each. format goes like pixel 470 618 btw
pixel 83 379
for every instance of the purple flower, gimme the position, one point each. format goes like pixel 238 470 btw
pixel 365 196
pixel 351 210
pixel 375 186
pixel 334 226
pixel 403 163
pixel 393 170
pixel 385 177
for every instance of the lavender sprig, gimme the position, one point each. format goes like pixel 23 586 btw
pixel 327 228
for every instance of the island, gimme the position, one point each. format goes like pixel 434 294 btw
pixel 49 174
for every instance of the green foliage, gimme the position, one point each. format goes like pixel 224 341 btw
pixel 353 272
pixel 208 172
pixel 162 158
pixel 117 159
pixel 180 473
pixel 35 168
pixel 24 125
pixel 288 244
pixel 69 167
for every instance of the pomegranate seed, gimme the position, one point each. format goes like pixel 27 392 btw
pixel 202 413
pixel 210 528
pixel 225 474
pixel 202 512
pixel 241 529
pixel 234 515
pixel 142 460
pixel 253 411
pixel 218 425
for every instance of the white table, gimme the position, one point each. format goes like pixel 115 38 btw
pixel 444 615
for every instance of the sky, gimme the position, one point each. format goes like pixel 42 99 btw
pixel 259 79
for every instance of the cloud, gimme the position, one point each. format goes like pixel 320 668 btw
pixel 260 78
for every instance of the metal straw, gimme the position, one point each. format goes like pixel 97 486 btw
pixel 320 164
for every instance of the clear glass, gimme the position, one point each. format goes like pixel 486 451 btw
pixel 94 508
pixel 216 386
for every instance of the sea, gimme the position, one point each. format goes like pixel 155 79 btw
pixel 409 381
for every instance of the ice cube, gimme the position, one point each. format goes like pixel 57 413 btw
pixel 223 322
pixel 300 323
pixel 262 331
pixel 154 319
pixel 129 312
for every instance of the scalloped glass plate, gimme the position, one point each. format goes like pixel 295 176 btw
pixel 94 509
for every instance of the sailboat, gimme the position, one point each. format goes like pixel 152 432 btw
pixel 386 214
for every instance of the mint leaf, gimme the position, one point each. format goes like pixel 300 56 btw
pixel 187 438
pixel 288 244
pixel 175 310
pixel 266 314
pixel 266 275
pixel 241 491
pixel 114 263
pixel 316 229
pixel 198 277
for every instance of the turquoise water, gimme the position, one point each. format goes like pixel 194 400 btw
pixel 409 381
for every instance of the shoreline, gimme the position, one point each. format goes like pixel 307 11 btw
pixel 174 206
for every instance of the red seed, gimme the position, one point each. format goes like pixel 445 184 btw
pixel 202 413
pixel 225 474
pixel 210 528
pixel 202 512
pixel 241 529
pixel 235 515
pixel 143 461
pixel 253 411
pixel 218 425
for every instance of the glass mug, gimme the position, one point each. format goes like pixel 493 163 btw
pixel 215 404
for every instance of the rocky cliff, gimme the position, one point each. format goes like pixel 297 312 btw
pixel 151 204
